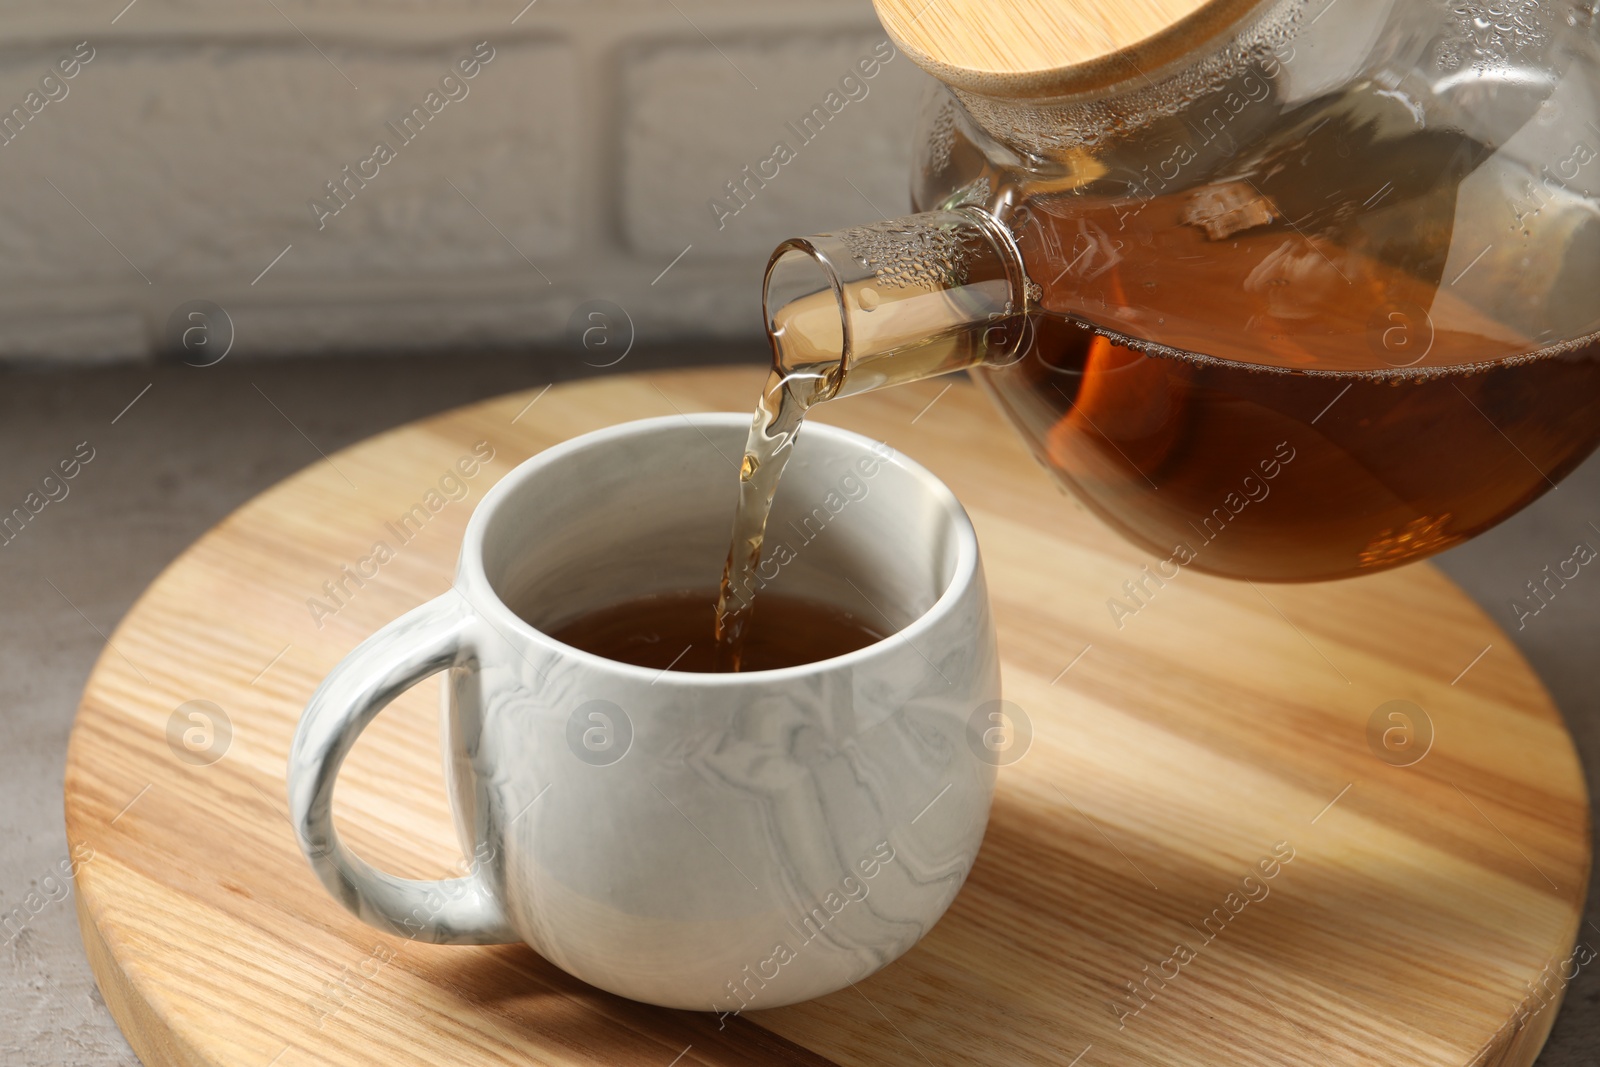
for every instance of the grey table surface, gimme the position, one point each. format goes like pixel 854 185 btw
pixel 201 441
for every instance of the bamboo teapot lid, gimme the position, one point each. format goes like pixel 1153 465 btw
pixel 1034 48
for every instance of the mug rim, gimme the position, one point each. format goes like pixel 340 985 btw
pixel 471 577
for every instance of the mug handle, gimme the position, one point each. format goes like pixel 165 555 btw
pixel 424 641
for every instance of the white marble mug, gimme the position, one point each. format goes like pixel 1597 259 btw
pixel 705 841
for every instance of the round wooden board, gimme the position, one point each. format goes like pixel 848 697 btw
pixel 1169 758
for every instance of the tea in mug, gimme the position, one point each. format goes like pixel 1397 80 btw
pixel 676 631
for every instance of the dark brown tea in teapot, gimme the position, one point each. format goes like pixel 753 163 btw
pixel 1268 474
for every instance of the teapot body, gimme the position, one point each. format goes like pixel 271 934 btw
pixel 1322 303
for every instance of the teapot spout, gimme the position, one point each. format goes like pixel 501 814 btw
pixel 897 301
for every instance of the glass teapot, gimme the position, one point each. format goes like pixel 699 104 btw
pixel 1285 290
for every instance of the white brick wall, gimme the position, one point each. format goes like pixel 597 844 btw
pixel 184 156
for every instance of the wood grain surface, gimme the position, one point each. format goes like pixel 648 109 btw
pixel 1121 912
pixel 1037 47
